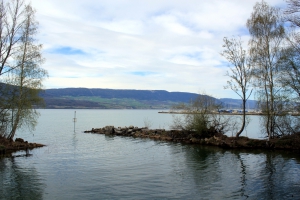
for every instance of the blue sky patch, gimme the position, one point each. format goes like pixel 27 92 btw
pixel 67 51
pixel 242 31
pixel 194 55
pixel 142 73
pixel 224 64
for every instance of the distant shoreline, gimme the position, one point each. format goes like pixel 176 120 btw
pixel 221 113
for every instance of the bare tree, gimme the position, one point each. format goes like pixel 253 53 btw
pixel 292 12
pixel 11 22
pixel 267 31
pixel 290 66
pixel 25 77
pixel 290 72
pixel 240 73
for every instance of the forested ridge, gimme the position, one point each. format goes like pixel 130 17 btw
pixel 119 98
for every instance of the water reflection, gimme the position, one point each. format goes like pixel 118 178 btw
pixel 109 137
pixel 279 177
pixel 219 174
pixel 19 182
pixel 243 176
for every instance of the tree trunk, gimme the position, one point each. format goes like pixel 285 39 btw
pixel 244 118
pixel 15 126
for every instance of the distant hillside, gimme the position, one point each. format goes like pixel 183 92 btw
pixel 158 95
pixel 113 98
pixel 120 99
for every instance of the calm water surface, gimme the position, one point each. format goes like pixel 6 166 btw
pixel 89 166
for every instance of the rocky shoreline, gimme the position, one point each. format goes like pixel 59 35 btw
pixel 291 142
pixel 7 146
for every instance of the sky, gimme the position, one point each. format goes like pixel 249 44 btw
pixel 141 44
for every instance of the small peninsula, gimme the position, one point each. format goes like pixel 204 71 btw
pixel 9 146
pixel 288 142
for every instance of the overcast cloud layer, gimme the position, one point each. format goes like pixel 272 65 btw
pixel 140 44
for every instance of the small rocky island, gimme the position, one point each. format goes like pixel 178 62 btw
pixel 9 146
pixel 290 142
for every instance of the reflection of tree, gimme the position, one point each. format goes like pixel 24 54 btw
pixel 243 176
pixel 238 174
pixel 279 178
pixel 203 163
pixel 270 175
pixel 18 182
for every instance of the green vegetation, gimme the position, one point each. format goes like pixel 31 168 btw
pixel 201 117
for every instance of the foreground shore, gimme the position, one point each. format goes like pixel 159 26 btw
pixel 291 142
pixel 7 147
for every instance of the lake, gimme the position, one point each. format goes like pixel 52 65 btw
pixel 76 165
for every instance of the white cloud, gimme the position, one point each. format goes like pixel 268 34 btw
pixel 133 44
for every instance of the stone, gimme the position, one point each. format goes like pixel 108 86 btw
pixel 19 140
pixel 118 132
pixel 109 129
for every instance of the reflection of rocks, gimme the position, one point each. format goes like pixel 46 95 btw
pixel 192 137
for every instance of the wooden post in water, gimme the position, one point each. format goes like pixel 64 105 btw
pixel 74 120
